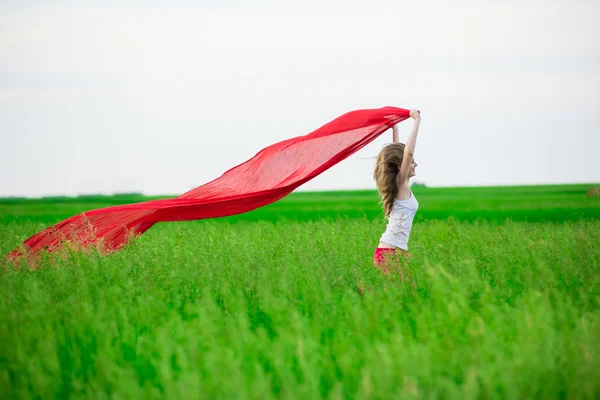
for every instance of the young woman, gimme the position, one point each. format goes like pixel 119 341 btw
pixel 394 167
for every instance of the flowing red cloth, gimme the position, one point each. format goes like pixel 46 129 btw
pixel 271 174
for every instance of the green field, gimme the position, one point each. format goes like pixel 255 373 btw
pixel 500 300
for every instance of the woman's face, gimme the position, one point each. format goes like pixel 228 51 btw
pixel 413 165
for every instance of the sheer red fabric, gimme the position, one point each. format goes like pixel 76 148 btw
pixel 271 174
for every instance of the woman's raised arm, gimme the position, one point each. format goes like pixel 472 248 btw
pixel 409 149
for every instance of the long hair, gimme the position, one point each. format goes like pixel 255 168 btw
pixel 387 167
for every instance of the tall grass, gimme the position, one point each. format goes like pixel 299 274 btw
pixel 297 310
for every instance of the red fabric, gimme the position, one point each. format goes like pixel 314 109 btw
pixel 271 174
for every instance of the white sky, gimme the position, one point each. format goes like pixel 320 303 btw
pixel 161 98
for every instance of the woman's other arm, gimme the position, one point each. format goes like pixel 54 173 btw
pixel 395 133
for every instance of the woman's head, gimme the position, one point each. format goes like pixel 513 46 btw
pixel 387 167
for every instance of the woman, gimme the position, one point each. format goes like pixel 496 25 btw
pixel 393 170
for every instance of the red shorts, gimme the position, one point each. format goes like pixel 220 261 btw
pixel 381 255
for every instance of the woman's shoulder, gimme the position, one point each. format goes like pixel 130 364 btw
pixel 410 197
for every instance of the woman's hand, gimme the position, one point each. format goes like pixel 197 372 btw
pixel 415 114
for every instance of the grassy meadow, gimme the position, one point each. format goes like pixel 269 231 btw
pixel 499 301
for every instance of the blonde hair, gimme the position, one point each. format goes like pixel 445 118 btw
pixel 386 170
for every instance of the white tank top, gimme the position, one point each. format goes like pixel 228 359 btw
pixel 400 222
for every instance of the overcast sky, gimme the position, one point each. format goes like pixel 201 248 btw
pixel 162 98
